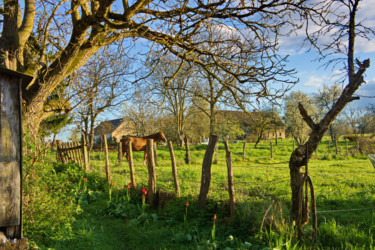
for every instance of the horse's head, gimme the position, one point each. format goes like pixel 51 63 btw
pixel 162 136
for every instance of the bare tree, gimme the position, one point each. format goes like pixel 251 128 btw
pixel 339 25
pixel 174 96
pixel 61 36
pixel 101 85
pixel 144 115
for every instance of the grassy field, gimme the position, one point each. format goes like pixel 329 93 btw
pixel 344 188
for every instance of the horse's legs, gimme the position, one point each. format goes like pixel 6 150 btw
pixel 145 158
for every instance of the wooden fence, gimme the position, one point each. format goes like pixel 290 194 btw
pixel 73 152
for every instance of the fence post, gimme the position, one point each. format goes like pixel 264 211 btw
pixel 244 150
pixel 336 147
pixel 58 151
pixel 347 150
pixel 271 149
pixel 107 169
pixel 151 192
pixel 216 152
pixel 232 199
pixel 174 169
pixel 155 154
pixel 119 156
pixel 84 153
pixel 206 171
pixel 131 166
pixel 187 155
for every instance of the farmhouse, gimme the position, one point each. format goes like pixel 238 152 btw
pixel 269 122
pixel 115 129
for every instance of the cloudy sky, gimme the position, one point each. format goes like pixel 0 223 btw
pixel 313 74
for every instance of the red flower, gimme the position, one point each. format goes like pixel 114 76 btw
pixel 127 186
pixel 214 216
pixel 145 192
pixel 187 203
pixel 112 183
pixel 130 184
pixel 85 179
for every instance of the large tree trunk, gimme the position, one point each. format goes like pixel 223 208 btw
pixel 206 171
pixel 298 157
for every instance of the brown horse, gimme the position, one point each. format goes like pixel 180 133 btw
pixel 140 144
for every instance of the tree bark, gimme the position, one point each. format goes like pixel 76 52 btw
pixel 206 172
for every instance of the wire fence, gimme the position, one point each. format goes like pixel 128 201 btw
pixel 269 189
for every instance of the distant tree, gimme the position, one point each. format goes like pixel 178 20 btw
pixel 324 101
pixel 144 115
pixel 100 85
pixel 296 126
pixel 172 92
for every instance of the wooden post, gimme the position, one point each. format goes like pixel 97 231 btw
pixel 232 199
pixel 271 149
pixel 329 149
pixel 244 150
pixel 107 168
pixel 206 171
pixel 174 169
pixel 216 153
pixel 84 153
pixel 347 149
pixel 119 155
pixel 58 151
pixel 187 148
pixel 337 151
pixel 155 154
pixel 293 144
pixel 131 166
pixel 151 192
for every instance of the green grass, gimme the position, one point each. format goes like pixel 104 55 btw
pixel 262 184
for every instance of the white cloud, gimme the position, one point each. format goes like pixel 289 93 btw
pixel 314 81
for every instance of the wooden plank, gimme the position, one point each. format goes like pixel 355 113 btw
pixel 10 154
pixel 10 194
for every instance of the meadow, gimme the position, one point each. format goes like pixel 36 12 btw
pixel 112 217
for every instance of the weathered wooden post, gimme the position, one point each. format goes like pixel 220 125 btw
pixel 174 169
pixel 347 148
pixel 271 149
pixel 131 165
pixel 107 168
pixel 151 192
pixel 119 155
pixel 187 148
pixel 84 153
pixel 232 199
pixel 155 154
pixel 337 151
pixel 244 151
pixel 11 152
pixel 206 171
pixel 58 151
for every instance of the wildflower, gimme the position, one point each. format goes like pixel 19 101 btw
pixel 144 191
pixel 127 186
pixel 85 179
pixel 187 203
pixel 130 184
pixel 112 183
pixel 214 216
